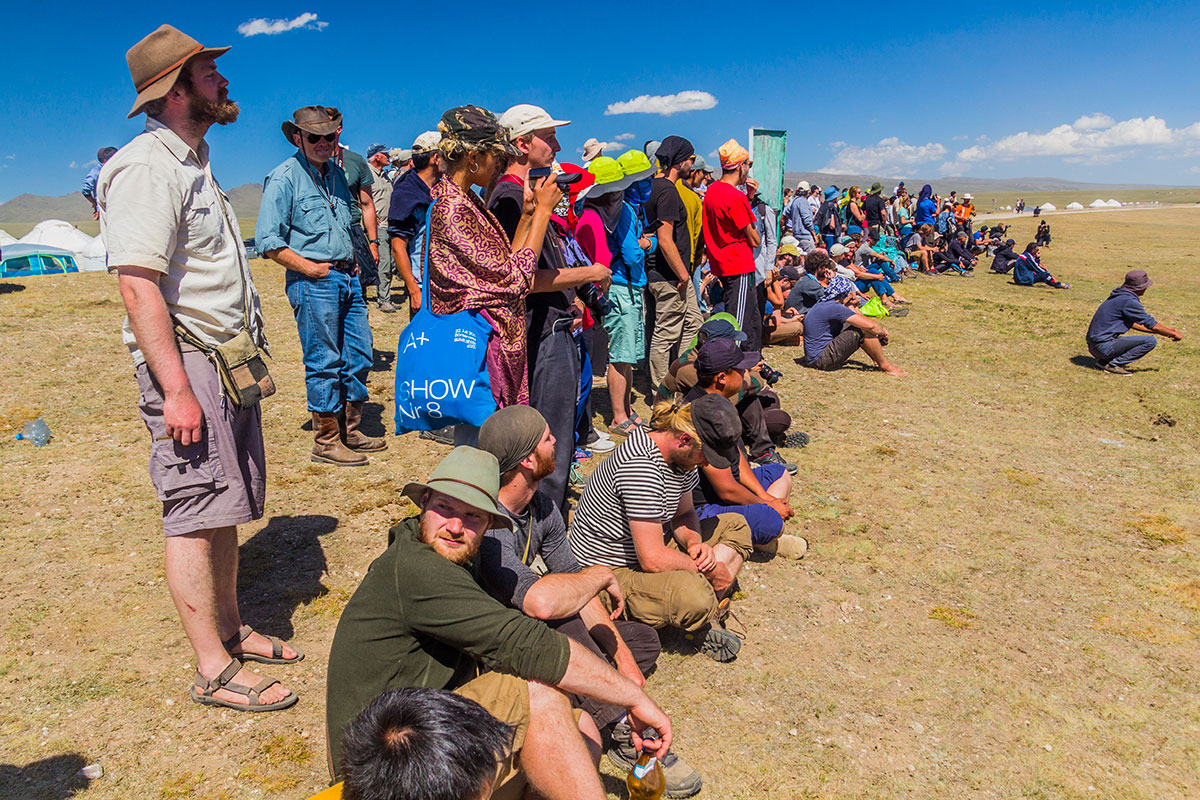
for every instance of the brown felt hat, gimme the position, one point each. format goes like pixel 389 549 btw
pixel 155 63
pixel 321 120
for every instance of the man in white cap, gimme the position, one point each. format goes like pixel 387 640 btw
pixel 410 200
pixel 173 240
pixel 552 312
pixel 798 215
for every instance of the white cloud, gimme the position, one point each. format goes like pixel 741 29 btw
pixel 890 157
pixel 254 27
pixel 664 104
pixel 620 137
pixel 11 157
pixel 84 165
pixel 1092 139
pixel 1093 122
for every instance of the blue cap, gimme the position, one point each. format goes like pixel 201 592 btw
pixel 722 329
pixel 376 149
pixel 831 192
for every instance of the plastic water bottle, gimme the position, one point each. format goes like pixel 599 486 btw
pixel 646 780
pixel 36 431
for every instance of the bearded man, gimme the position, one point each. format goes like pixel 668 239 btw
pixel 173 240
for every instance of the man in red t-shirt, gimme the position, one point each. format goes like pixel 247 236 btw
pixel 730 238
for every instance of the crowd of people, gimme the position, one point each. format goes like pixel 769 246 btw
pixel 502 640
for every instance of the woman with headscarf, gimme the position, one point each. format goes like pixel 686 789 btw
pixel 472 265
pixel 926 208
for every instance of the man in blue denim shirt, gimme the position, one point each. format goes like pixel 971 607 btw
pixel 304 225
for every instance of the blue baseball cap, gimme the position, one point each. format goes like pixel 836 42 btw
pixel 376 149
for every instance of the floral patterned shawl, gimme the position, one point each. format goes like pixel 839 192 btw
pixel 472 266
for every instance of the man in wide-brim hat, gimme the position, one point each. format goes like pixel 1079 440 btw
pixel 304 226
pixel 1122 311
pixel 419 619
pixel 173 240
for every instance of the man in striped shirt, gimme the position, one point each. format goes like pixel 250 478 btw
pixel 636 517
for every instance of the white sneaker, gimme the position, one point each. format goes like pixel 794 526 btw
pixel 785 546
pixel 602 446
pixel 603 434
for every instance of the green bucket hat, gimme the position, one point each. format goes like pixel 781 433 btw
pixel 609 177
pixel 469 475
pixel 636 166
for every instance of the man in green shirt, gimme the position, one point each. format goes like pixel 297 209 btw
pixel 419 620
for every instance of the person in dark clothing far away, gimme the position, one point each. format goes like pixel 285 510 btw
pixel 956 258
pixel 875 209
pixel 1028 269
pixel 1119 313
pixel 1002 261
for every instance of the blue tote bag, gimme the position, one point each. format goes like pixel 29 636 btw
pixel 441 366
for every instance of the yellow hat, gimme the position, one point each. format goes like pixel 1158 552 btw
pixel 732 154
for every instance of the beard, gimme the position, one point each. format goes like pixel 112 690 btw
pixel 221 111
pixel 683 460
pixel 544 467
pixel 455 555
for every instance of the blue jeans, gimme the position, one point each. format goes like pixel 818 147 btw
pixel 889 271
pixel 882 288
pixel 1123 350
pixel 335 336
pixel 764 521
pixel 583 406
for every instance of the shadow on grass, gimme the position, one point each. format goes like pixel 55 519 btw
pixel 9 288
pixel 53 778
pixel 382 360
pixel 1085 361
pixel 280 569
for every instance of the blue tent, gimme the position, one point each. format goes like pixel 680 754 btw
pixel 19 260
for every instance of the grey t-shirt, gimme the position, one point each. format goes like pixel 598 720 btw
pixel 503 564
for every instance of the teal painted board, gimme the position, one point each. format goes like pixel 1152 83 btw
pixel 767 151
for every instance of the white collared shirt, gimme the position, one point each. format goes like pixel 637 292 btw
pixel 162 209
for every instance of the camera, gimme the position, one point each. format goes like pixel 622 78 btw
pixel 596 300
pixel 769 374
pixel 563 179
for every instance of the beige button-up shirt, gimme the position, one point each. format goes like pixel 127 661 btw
pixel 162 209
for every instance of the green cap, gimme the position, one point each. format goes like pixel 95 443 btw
pixel 636 166
pixel 469 475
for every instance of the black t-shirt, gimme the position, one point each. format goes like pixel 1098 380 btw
pixel 542 309
pixel 875 209
pixel 665 205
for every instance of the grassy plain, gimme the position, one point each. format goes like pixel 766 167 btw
pixel 1001 599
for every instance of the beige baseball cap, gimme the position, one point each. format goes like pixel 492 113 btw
pixel 524 119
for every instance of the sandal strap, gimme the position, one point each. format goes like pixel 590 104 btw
pixel 276 646
pixel 242 634
pixel 207 687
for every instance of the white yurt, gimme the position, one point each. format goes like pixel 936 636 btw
pixel 1074 206
pixel 5 238
pixel 1097 203
pixel 1049 207
pixel 1113 203
pixel 93 257
pixel 1008 208
pixel 56 233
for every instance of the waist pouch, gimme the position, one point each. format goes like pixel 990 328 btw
pixel 240 365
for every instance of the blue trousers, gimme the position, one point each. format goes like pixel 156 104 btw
pixel 1123 350
pixel 331 317
pixel 764 521
pixel 583 406
pixel 882 288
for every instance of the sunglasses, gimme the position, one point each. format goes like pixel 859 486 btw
pixel 313 138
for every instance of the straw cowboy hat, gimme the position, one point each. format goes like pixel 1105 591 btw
pixel 320 120
pixel 156 61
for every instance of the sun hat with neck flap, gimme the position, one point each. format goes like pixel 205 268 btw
pixel 469 475
pixel 609 177
pixel 156 61
pixel 512 434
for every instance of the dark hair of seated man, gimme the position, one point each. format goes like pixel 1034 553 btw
pixel 422 744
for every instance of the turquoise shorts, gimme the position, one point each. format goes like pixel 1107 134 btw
pixel 626 324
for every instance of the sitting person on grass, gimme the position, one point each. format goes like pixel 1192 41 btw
pixel 833 331
pixel 419 620
pixel 1004 257
pixel 530 567
pixel 918 250
pixel 870 272
pixel 782 325
pixel 1028 269
pixel 957 257
pixel 636 517
pixel 728 482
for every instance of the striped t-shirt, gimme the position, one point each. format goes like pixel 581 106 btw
pixel 635 482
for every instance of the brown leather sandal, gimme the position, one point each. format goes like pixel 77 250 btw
pixel 276 656
pixel 223 681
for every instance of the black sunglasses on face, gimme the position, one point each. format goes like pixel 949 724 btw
pixel 313 138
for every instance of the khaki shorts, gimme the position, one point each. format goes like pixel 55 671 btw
pixel 507 699
pixel 217 482
pixel 679 599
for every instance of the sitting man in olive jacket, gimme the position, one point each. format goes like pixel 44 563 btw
pixel 420 620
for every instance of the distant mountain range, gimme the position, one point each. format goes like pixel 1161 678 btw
pixel 74 208
pixel 246 198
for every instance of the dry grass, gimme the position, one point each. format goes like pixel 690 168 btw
pixel 1005 478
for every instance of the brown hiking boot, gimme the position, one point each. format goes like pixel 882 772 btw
pixel 349 418
pixel 328 447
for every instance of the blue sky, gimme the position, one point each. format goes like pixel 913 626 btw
pixel 1104 93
